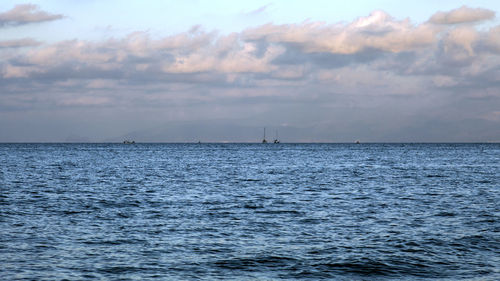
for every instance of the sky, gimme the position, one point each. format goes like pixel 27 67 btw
pixel 222 71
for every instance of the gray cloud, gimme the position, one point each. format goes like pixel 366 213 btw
pixel 258 11
pixel 25 42
pixel 463 14
pixel 26 13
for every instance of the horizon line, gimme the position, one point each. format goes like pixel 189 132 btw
pixel 231 142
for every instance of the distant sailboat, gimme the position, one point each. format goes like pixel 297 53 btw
pixel 264 139
pixel 276 140
pixel 128 142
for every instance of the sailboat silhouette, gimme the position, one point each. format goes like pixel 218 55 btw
pixel 264 139
pixel 276 140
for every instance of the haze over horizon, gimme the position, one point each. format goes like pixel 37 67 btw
pixel 215 71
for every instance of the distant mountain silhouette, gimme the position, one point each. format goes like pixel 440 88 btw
pixel 212 131
pixel 469 130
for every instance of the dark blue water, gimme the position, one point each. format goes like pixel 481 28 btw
pixel 249 211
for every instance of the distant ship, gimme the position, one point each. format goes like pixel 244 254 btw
pixel 264 139
pixel 128 142
pixel 276 140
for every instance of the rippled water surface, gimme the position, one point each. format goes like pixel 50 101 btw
pixel 249 211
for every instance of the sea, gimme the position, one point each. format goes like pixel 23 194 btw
pixel 249 211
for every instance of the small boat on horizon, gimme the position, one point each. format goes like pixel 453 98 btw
pixel 128 142
pixel 264 139
pixel 276 140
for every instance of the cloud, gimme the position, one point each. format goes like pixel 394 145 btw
pixel 377 31
pixel 265 53
pixel 138 53
pixel 462 37
pixel 463 14
pixel 258 11
pixel 493 39
pixel 84 101
pixel 26 13
pixel 10 71
pixel 26 42
pixel 444 81
pixel 376 74
pixel 281 52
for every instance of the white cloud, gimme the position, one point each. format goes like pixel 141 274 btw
pixel 463 14
pixel 463 37
pixel 377 31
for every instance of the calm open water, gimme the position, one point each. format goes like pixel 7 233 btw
pixel 249 211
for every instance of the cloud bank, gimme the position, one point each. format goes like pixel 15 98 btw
pixel 371 79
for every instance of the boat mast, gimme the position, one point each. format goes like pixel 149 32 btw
pixel 264 139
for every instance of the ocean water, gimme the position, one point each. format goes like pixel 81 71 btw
pixel 249 211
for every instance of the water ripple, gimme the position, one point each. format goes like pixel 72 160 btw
pixel 250 212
